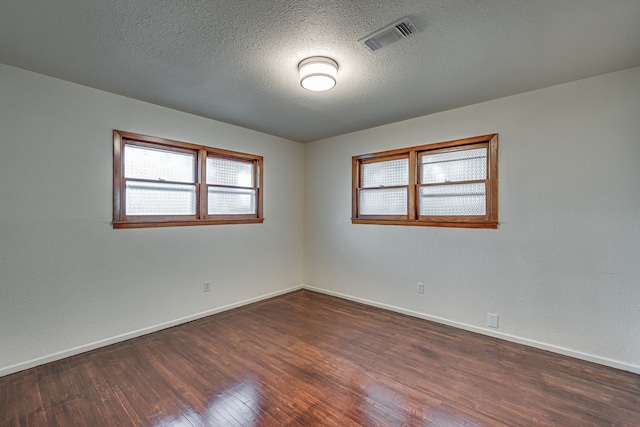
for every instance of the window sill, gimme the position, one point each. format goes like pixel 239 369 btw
pixel 455 224
pixel 150 224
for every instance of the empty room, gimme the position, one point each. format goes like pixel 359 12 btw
pixel 319 213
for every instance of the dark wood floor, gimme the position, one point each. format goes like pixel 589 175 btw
pixel 306 359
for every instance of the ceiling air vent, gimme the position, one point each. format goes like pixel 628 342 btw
pixel 390 34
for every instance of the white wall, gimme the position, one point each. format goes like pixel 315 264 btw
pixel 563 268
pixel 68 281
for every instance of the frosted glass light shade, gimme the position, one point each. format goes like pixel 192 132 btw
pixel 318 73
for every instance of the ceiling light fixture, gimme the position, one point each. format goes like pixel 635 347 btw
pixel 318 73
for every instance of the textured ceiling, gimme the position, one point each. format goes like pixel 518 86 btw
pixel 236 60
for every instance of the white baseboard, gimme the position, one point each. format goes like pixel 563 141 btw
pixel 8 370
pixel 513 338
pixel 123 337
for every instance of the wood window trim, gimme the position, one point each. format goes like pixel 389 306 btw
pixel 201 152
pixel 489 220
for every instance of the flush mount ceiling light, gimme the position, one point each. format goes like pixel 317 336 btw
pixel 318 73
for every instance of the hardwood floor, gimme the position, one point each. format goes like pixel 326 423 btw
pixel 307 359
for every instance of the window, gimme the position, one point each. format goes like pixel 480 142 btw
pixel 447 184
pixel 158 183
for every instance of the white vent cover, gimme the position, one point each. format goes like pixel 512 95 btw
pixel 390 34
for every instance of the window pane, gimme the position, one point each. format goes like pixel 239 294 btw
pixel 231 201
pixel 455 199
pixel 383 201
pixel 150 163
pixel 385 174
pixel 464 165
pixel 150 198
pixel 229 172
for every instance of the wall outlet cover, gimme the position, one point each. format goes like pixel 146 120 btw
pixel 492 320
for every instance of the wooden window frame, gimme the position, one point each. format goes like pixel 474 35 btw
pixel 201 153
pixel 489 220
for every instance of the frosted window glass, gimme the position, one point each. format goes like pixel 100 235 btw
pixel 455 199
pixel 150 198
pixel 231 201
pixel 383 201
pixel 229 172
pixel 385 174
pixel 465 165
pixel 153 164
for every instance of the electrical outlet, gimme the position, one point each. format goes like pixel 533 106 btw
pixel 207 286
pixel 420 288
pixel 492 320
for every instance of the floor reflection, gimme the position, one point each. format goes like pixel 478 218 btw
pixel 379 404
pixel 236 405
pixel 360 400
